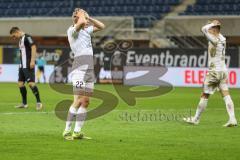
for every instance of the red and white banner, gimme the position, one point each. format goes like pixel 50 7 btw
pixel 194 77
pixel 176 76
pixel 179 77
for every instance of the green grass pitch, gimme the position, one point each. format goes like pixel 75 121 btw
pixel 30 135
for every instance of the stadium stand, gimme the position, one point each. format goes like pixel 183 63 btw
pixel 213 7
pixel 144 11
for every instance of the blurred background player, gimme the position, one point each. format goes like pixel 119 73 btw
pixel 27 66
pixel 216 77
pixel 41 62
pixel 79 37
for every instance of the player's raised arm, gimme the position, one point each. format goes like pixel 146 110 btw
pixel 209 36
pixel 97 25
pixel 81 20
pixel 206 28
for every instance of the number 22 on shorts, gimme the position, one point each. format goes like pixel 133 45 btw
pixel 79 84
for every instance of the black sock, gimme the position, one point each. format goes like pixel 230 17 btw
pixel 36 93
pixel 23 92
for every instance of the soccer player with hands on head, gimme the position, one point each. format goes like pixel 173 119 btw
pixel 216 78
pixel 79 37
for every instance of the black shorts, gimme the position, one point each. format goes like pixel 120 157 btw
pixel 41 69
pixel 26 75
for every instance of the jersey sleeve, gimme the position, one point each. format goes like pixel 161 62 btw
pixel 89 29
pixel 72 32
pixel 29 40
pixel 208 35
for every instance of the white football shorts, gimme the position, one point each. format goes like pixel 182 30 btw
pixel 215 81
pixel 83 82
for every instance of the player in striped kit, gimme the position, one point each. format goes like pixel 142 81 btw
pixel 26 73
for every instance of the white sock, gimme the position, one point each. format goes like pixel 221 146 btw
pixel 229 107
pixel 201 107
pixel 81 116
pixel 71 114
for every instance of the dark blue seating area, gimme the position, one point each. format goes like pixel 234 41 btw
pixel 27 8
pixel 214 7
pixel 144 11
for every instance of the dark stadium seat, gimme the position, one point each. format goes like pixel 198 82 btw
pixel 150 9
pixel 213 7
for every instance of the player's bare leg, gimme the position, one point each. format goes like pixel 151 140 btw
pixel 23 92
pixel 79 110
pixel 80 117
pixel 71 116
pixel 35 91
pixel 200 108
pixel 230 108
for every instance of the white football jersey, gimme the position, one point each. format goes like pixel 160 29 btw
pixel 80 42
pixel 216 50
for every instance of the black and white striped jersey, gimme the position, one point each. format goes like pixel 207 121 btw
pixel 25 44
